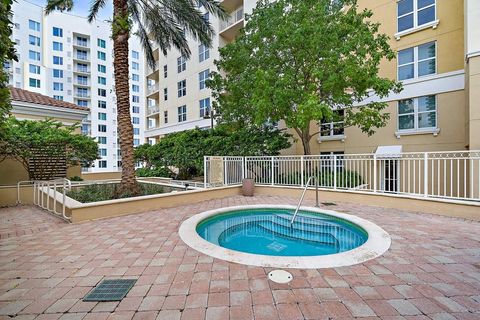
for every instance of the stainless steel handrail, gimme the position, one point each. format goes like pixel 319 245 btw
pixel 303 196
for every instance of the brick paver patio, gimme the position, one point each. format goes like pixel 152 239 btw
pixel 432 270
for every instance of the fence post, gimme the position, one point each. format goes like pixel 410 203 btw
pixel 225 180
pixel 243 168
pixel 425 174
pixel 374 173
pixel 272 173
pixel 302 171
pixel 334 171
pixel 204 171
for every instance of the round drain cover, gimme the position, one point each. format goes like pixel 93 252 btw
pixel 280 276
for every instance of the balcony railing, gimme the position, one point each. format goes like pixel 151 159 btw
pixel 81 43
pixel 82 70
pixel 82 94
pixel 150 70
pixel 81 82
pixel 82 57
pixel 152 110
pixel 235 16
pixel 152 88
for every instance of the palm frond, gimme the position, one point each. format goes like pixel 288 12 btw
pixel 60 5
pixel 94 8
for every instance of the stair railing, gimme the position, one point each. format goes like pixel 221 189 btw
pixel 303 196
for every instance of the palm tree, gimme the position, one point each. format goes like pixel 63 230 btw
pixel 165 22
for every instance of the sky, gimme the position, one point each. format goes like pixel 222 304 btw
pixel 81 8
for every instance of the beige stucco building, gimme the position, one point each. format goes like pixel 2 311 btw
pixel 27 105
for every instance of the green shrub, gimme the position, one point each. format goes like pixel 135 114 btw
pixel 101 192
pixel 345 178
pixel 75 178
pixel 154 172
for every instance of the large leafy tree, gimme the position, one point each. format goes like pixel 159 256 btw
pixel 185 150
pixel 298 60
pixel 165 22
pixel 27 140
pixel 7 52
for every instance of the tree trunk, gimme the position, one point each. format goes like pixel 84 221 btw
pixel 305 136
pixel 120 35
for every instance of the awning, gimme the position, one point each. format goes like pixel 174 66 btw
pixel 389 152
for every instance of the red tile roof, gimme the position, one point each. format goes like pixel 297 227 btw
pixel 37 98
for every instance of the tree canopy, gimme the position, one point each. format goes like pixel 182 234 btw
pixel 7 52
pixel 185 150
pixel 25 140
pixel 298 60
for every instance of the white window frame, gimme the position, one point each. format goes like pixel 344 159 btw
pixel 181 64
pixel 205 109
pixel 202 78
pixel 181 88
pixel 416 62
pixel 182 113
pixel 416 129
pixel 203 52
pixel 165 116
pixel 332 135
pixel 416 26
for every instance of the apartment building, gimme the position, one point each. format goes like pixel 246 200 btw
pixel 65 57
pixel 438 45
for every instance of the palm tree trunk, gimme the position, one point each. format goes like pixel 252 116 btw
pixel 120 35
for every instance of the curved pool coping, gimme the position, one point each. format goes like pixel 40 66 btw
pixel 377 243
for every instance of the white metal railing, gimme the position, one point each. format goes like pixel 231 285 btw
pixel 446 174
pixel 234 17
pixel 152 110
pixel 152 88
pixel 46 196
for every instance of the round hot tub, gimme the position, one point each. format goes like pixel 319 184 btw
pixel 264 235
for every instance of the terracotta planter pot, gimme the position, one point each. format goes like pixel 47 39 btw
pixel 248 187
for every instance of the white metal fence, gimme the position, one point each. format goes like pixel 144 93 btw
pixel 449 174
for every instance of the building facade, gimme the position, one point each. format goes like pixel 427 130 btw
pixel 65 57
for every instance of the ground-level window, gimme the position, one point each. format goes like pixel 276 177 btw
pixel 102 163
pixel 333 127
pixel 182 113
pixel 417 114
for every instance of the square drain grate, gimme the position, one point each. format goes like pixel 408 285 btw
pixel 110 290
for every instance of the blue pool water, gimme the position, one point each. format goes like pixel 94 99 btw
pixel 268 232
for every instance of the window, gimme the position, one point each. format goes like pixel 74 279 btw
pixel 135 120
pixel 182 113
pixel 34 25
pixel 57 32
pixel 57 86
pixel 136 131
pixel 204 107
pixel 34 55
pixel 135 54
pixel 102 140
pixel 60 98
pixel 34 69
pixel 135 109
pixel 119 164
pixel 165 116
pixel 82 41
pixel 135 66
pixel 102 104
pixel 417 114
pixel 34 41
pixel 102 92
pixel 417 61
pixel 135 77
pixel 102 80
pixel 102 68
pixel 101 43
pixel 101 55
pixel 203 53
pixel 82 103
pixel 102 163
pixel 182 88
pixel 414 13
pixel 328 159
pixel 165 94
pixel 202 77
pixel 82 55
pixel 57 60
pixel 82 67
pixel 57 73
pixel 82 92
pixel 181 64
pixel 165 71
pixel 57 46
pixel 102 152
pixel 34 83
pixel 136 142
pixel 102 116
pixel 135 88
pixel 102 128
pixel 83 80
pixel 333 127
pixel 136 99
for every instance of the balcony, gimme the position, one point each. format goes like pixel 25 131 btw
pixel 80 43
pixel 81 57
pixel 153 110
pixel 81 70
pixel 152 89
pixel 81 94
pixel 150 70
pixel 235 17
pixel 81 82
